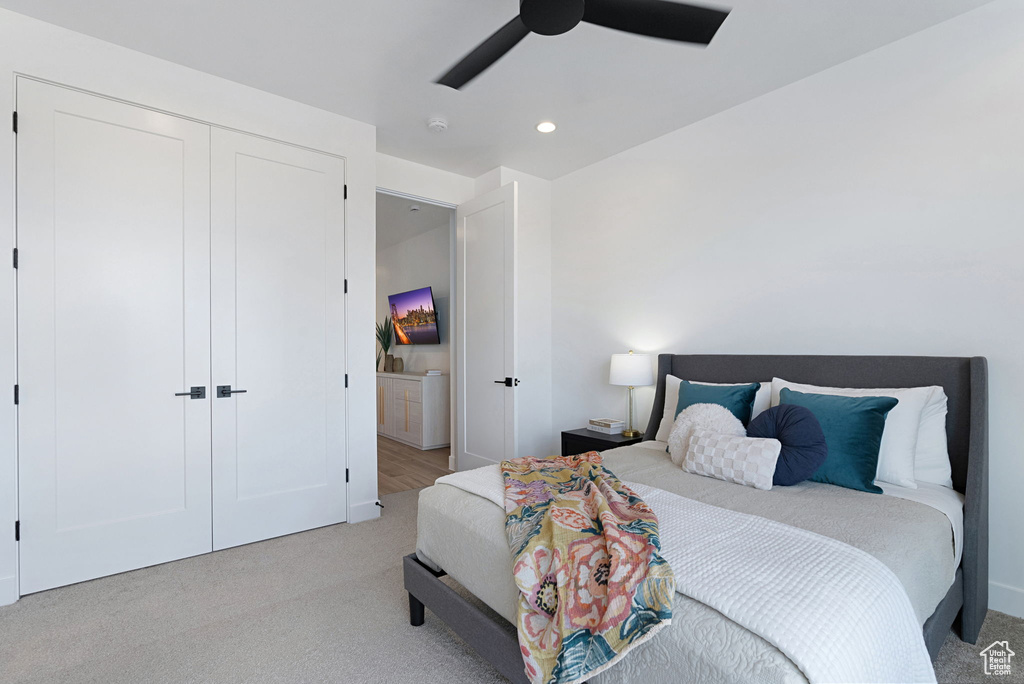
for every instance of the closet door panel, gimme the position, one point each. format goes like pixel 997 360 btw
pixel 113 230
pixel 278 334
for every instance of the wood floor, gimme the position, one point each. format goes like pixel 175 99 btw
pixel 401 467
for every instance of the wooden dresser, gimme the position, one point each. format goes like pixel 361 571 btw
pixel 414 409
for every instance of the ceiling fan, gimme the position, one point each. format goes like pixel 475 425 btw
pixel 655 18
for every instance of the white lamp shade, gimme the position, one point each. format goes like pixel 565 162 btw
pixel 634 370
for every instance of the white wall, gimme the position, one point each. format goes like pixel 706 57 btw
pixel 418 180
pixel 876 207
pixel 421 261
pixel 44 51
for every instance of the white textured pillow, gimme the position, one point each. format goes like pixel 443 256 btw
pixel 701 417
pixel 762 402
pixel 747 461
pixel 931 464
pixel 897 453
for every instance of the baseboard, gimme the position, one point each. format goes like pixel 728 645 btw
pixel 470 461
pixel 360 512
pixel 1006 599
pixel 8 590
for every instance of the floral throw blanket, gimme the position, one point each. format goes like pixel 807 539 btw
pixel 586 558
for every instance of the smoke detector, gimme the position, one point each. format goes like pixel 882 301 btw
pixel 437 125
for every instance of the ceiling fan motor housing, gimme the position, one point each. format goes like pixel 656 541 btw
pixel 551 17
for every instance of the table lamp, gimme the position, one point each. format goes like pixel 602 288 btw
pixel 631 370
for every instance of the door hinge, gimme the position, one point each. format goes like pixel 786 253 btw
pixel 17 530
pixel 346 186
pixel 16 393
pixel 14 122
pixel 346 474
pixel 15 257
pixel 346 379
pixel 346 285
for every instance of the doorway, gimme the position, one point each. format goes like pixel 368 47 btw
pixel 414 328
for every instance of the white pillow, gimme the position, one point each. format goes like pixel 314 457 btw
pixel 931 463
pixel 896 456
pixel 762 402
pixel 701 417
pixel 747 461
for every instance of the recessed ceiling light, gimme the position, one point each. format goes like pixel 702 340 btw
pixel 546 126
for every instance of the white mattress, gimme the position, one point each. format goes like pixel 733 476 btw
pixel 464 534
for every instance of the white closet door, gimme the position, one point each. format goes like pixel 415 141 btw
pixel 113 320
pixel 279 336
pixel 486 324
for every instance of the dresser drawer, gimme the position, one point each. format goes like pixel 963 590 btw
pixel 403 390
pixel 408 421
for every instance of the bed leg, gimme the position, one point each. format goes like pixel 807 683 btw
pixel 415 611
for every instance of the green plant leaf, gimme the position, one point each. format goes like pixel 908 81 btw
pixel 384 333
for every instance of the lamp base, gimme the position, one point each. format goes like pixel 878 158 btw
pixel 630 434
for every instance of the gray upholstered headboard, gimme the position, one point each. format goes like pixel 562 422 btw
pixel 965 380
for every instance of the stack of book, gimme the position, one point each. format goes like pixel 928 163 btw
pixel 609 426
pixel 432 371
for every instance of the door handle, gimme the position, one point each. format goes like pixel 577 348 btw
pixel 194 392
pixel 508 382
pixel 225 391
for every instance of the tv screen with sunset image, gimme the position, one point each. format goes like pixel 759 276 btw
pixel 412 315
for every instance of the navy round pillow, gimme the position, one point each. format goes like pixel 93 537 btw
pixel 803 442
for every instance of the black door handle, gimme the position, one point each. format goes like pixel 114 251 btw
pixel 225 391
pixel 507 382
pixel 194 393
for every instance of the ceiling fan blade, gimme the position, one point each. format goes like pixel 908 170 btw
pixel 485 54
pixel 657 18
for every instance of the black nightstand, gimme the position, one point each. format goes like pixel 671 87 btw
pixel 583 440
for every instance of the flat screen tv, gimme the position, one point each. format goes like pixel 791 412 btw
pixel 413 316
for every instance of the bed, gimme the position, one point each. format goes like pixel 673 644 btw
pixel 462 535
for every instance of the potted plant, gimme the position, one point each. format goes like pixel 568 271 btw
pixel 384 332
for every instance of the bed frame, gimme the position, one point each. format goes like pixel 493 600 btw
pixel 965 380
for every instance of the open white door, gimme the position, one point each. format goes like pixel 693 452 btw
pixel 113 322
pixel 278 241
pixel 486 328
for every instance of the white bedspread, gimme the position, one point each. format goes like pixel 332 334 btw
pixel 837 612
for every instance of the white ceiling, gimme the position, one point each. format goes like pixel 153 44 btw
pixel 395 222
pixel 375 60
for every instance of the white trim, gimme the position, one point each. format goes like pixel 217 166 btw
pixel 416 198
pixel 453 384
pixel 8 590
pixel 366 510
pixel 471 461
pixel 1006 599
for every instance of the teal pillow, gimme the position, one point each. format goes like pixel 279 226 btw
pixel 853 432
pixel 739 399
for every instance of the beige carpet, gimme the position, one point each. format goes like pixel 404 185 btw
pixel 321 606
